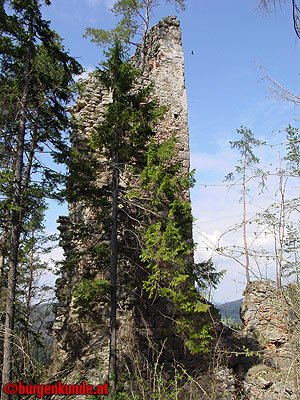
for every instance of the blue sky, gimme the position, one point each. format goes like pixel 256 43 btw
pixel 225 90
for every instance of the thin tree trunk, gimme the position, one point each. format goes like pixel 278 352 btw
pixel 143 46
pixel 28 304
pixel 281 228
pixel 245 222
pixel 3 247
pixel 4 236
pixel 297 266
pixel 15 226
pixel 27 173
pixel 112 372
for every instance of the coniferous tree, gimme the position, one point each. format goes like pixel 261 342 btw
pixel 29 48
pixel 31 295
pixel 135 22
pixel 122 136
pixel 148 217
pixel 168 245
pixel 248 159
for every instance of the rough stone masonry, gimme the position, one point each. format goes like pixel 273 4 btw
pixel 81 347
pixel 82 341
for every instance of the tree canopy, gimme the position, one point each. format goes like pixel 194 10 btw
pixel 36 75
pixel 134 23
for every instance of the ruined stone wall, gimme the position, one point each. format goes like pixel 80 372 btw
pixel 264 314
pixel 82 341
pixel 269 318
pixel 164 65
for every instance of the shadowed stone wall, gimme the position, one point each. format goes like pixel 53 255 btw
pixel 268 317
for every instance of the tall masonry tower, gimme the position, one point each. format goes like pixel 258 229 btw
pixel 144 326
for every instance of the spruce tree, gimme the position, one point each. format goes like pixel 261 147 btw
pixel 122 137
pixel 168 248
pixel 248 159
pixel 39 92
pixel 148 217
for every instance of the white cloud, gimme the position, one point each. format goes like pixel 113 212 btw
pixel 92 3
pixel 51 258
pixel 217 209
pixel 107 3
pixel 87 70
pixel 211 162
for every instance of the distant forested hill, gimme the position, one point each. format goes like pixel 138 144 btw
pixel 230 312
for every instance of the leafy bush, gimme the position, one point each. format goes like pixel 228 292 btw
pixel 89 292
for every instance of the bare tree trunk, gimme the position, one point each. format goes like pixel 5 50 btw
pixel 112 369
pixel 245 222
pixel 296 18
pixel 11 164
pixel 15 226
pixel 3 248
pixel 281 228
pixel 27 173
pixel 297 267
pixel 28 304
pixel 143 45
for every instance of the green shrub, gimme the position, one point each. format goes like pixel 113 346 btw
pixel 89 292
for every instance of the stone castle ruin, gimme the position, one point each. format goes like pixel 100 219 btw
pixel 260 371
pixel 82 341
